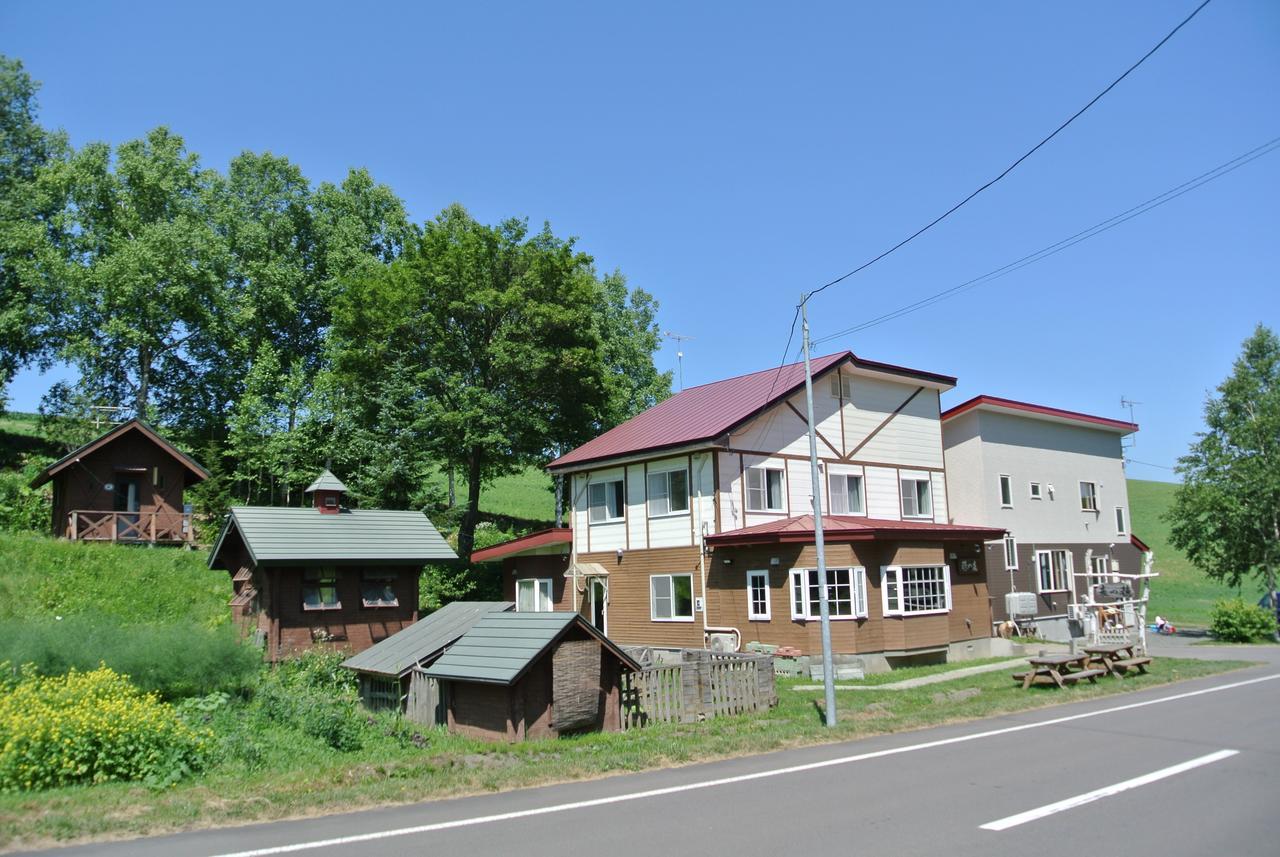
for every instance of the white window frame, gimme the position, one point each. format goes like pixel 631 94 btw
pixel 804 607
pixel 893 587
pixel 1122 521
pixel 543 601
pixel 754 579
pixel 671 589
pixel 652 501
pixel 1093 492
pixel 914 480
pixel 1098 576
pixel 1010 547
pixel 1065 572
pixel 762 492
pixel 1006 491
pixel 618 493
pixel 843 494
pixel 1035 491
pixel 841 386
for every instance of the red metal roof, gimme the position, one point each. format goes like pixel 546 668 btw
pixel 1039 410
pixel 701 414
pixel 842 528
pixel 1138 543
pixel 542 538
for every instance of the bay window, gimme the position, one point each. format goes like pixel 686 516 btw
pixel 846 593
pixel 912 590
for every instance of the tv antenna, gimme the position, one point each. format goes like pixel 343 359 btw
pixel 679 338
pixel 1133 438
pixel 103 413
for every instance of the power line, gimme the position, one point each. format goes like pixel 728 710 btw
pixel 1015 164
pixel 1149 464
pixel 1058 246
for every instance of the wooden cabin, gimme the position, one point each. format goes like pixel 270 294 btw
pixel 532 675
pixel 125 486
pixel 326 575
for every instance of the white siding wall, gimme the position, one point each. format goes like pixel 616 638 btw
pixel 637 530
pixel 731 512
pixel 882 493
pixel 911 438
pixel 635 505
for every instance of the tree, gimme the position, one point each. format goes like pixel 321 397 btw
pixel 1226 514
pixel 30 228
pixel 497 334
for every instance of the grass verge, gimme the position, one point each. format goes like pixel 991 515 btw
pixel 284 778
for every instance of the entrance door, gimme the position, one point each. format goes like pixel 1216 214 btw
pixel 126 501
pixel 599 597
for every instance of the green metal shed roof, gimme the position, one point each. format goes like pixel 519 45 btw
pixel 276 535
pixel 501 646
pixel 326 481
pixel 430 635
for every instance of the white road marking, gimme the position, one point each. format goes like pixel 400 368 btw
pixel 723 781
pixel 1106 791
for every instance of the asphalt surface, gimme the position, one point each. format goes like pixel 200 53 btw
pixel 927 792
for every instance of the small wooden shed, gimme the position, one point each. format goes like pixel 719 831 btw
pixel 532 675
pixel 389 672
pixel 123 486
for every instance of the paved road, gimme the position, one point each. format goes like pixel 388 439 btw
pixel 928 792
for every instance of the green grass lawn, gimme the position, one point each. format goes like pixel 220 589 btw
pixel 1182 593
pixel 526 495
pixel 286 776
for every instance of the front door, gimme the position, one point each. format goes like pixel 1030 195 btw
pixel 126 502
pixel 599 599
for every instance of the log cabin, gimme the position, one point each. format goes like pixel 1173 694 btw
pixel 125 486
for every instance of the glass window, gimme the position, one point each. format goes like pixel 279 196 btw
pixel 764 489
pixel 668 492
pixel 846 494
pixel 671 597
pixel 846 593
pixel 1054 568
pixel 1035 491
pixel 1010 553
pixel 533 595
pixel 1088 497
pixel 1121 529
pixel 917 498
pixel 320 589
pixel 758 595
pixel 1006 491
pixel 908 590
pixel 378 589
pixel 604 499
pixel 841 387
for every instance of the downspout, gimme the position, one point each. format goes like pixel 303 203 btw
pixel 702 570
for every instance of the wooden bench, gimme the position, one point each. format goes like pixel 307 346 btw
pixel 1026 679
pixel 1091 675
pixel 1140 663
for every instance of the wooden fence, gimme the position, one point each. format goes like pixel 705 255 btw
pixel 424 703
pixel 703 685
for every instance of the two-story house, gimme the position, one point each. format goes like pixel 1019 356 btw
pixel 1055 481
pixel 692 523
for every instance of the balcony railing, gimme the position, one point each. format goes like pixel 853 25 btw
pixel 154 527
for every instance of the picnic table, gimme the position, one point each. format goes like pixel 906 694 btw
pixel 1061 670
pixel 1118 658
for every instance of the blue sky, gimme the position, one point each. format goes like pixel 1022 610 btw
pixel 727 157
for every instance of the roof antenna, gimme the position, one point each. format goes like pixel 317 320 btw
pixel 679 338
pixel 1133 436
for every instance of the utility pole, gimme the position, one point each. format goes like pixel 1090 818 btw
pixel 679 338
pixel 824 607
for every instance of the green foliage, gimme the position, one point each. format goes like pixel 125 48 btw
pixel 23 508
pixel 320 670
pixel 1226 516
pixel 313 694
pixel 91 727
pixel 1235 621
pixel 171 660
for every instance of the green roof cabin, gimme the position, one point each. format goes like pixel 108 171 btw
pixel 325 575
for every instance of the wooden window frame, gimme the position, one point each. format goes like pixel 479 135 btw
pixel 653 598
pixel 754 576
pixel 376 574
pixel 320 574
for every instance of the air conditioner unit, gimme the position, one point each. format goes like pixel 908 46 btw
pixel 1020 605
pixel 723 643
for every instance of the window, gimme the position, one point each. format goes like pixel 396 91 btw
pixel 846 593
pixel 1088 497
pixel 1055 570
pixel 917 499
pixel 1101 571
pixel 846 494
pixel 758 595
pixel 604 500
pixel 1006 491
pixel 1010 553
pixel 912 590
pixel 378 589
pixel 671 597
pixel 1035 491
pixel 668 492
pixel 841 387
pixel 764 489
pixel 330 502
pixel 320 589
pixel 533 595
pixel 1120 527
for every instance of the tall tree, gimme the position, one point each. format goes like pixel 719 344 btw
pixel 1226 514
pixel 30 227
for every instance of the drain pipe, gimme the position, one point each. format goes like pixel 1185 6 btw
pixel 707 629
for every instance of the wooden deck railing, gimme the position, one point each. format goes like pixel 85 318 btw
pixel 155 527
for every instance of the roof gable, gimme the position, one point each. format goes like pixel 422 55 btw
pixel 1013 407
pixel 197 473
pixel 430 635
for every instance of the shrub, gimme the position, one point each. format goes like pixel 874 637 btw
pixel 319 669
pixel 173 660
pixel 23 508
pixel 337 722
pixel 1234 621
pixel 91 727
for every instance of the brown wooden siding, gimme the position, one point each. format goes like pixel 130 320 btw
pixel 1026 578
pixel 629 616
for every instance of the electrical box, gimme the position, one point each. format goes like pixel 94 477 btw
pixel 1020 605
